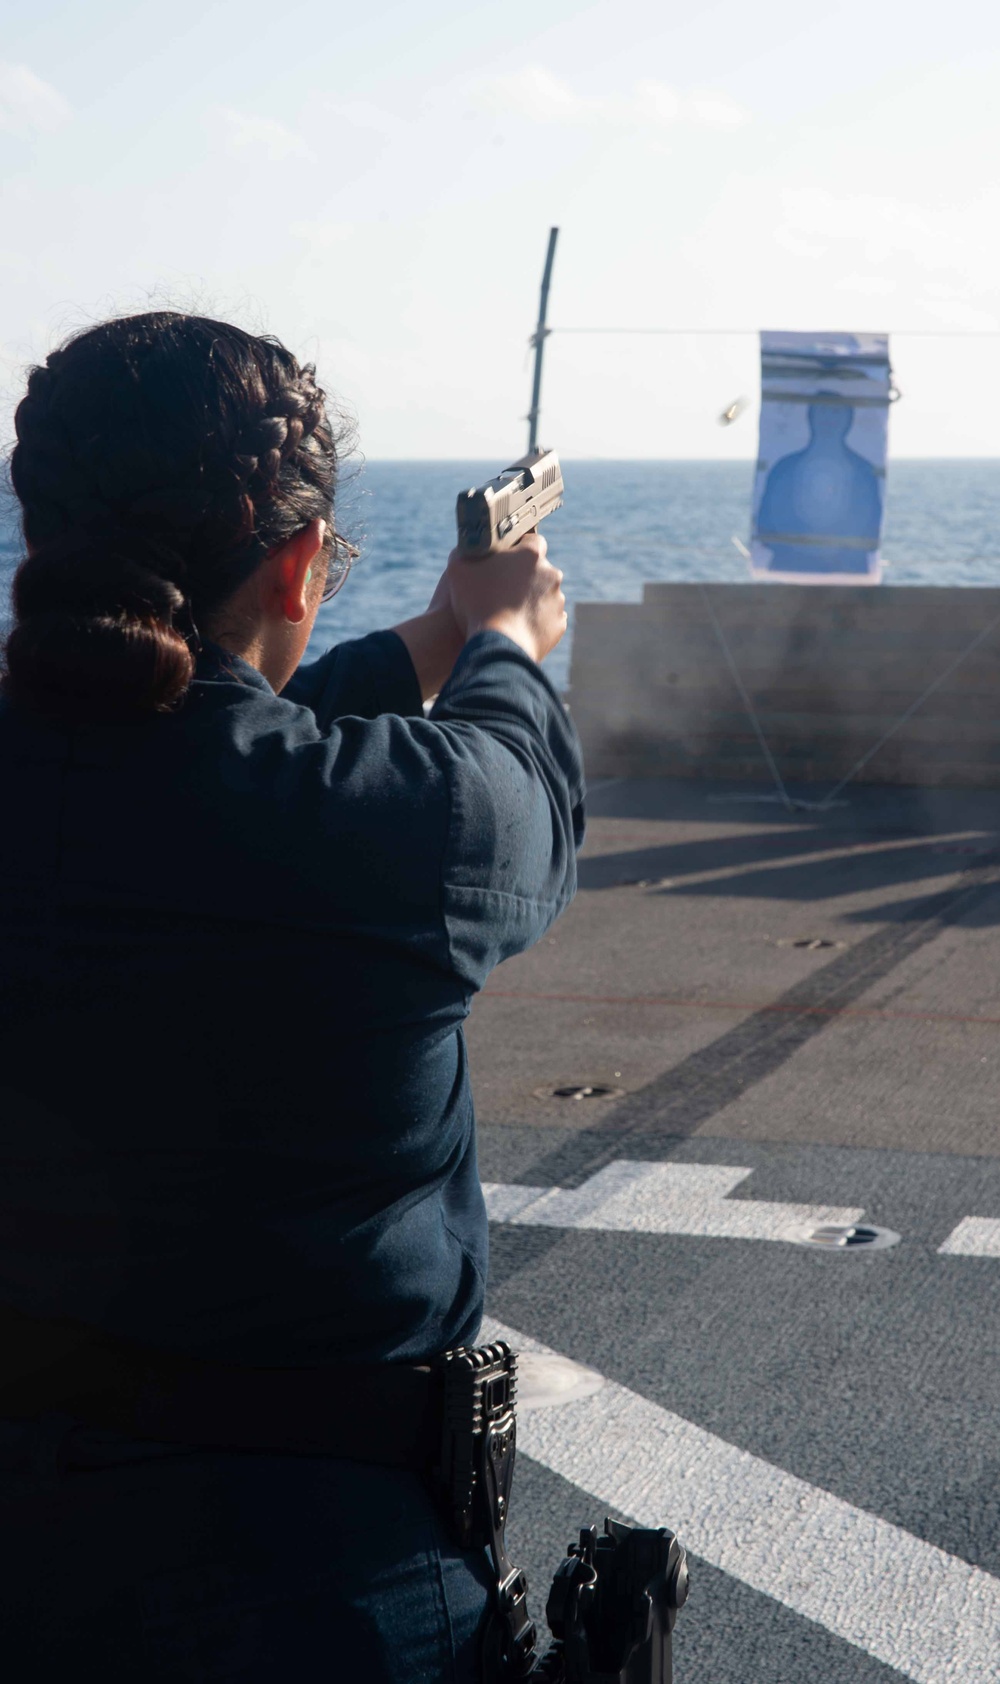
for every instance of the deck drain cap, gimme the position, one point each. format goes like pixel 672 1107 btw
pixel 859 1237
pixel 585 1090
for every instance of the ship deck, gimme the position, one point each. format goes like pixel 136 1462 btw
pixel 812 999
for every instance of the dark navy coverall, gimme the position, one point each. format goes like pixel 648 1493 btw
pixel 237 945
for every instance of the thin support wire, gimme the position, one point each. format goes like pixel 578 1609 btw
pixel 752 332
pixel 979 638
pixel 747 703
pixel 791 802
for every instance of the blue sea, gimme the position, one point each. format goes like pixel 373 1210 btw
pixel 624 523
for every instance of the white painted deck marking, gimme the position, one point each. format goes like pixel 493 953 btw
pixel 905 1602
pixel 975 1236
pixel 650 1198
pixel 547 1381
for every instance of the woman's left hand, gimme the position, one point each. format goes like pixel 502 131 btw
pixel 441 597
pixel 433 640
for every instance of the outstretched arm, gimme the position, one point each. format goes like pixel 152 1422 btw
pixel 370 675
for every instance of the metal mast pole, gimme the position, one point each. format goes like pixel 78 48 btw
pixel 538 340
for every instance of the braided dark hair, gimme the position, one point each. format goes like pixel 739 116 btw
pixel 159 458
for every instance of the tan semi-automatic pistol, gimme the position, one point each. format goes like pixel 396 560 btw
pixel 500 512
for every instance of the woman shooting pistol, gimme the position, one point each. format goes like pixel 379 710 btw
pixel 244 907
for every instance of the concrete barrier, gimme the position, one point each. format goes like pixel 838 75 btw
pixel 829 670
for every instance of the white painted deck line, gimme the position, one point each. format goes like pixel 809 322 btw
pixel 909 1604
pixel 975 1236
pixel 650 1198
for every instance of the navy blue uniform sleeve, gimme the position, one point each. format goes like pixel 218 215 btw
pixel 454 835
pixel 515 777
pixel 364 677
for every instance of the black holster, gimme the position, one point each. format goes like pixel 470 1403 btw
pixel 474 1477
pixel 614 1599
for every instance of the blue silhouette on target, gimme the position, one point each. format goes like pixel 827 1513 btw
pixel 826 491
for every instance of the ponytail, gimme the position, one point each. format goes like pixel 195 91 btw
pixel 95 638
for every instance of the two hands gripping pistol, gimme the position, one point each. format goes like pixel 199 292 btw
pixel 496 515
pixel 615 1598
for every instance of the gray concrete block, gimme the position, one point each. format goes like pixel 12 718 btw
pixel 829 670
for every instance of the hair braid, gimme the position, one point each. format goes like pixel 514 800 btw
pixel 167 446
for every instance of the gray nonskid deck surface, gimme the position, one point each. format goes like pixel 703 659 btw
pixel 861 1074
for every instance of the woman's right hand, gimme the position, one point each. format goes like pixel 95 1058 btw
pixel 515 591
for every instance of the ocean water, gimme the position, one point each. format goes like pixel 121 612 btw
pixel 624 523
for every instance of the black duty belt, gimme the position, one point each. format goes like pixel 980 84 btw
pixel 390 1413
pixel 453 1420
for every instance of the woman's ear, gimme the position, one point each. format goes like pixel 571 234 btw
pixel 292 569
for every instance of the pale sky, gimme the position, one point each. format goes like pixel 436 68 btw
pixel 375 184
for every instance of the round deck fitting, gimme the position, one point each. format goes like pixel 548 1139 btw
pixel 859 1237
pixel 588 1090
pixel 811 942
